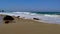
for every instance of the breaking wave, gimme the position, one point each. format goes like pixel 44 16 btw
pixel 30 13
pixel 45 17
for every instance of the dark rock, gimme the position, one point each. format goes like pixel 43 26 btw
pixel 3 11
pixel 6 22
pixel 7 17
pixel 36 18
pixel 18 16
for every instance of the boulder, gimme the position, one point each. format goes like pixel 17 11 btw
pixel 7 19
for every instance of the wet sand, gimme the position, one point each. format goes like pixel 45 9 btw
pixel 26 26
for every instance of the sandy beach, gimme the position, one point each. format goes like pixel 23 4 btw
pixel 27 26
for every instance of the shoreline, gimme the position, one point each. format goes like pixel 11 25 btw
pixel 43 18
pixel 28 26
pixel 24 18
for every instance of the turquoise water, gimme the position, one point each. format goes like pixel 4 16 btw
pixel 51 13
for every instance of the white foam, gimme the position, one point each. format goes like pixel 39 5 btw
pixel 51 15
pixel 28 15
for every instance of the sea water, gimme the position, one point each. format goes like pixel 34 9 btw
pixel 48 17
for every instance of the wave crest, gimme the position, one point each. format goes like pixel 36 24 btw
pixel 51 15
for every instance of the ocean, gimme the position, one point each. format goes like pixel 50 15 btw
pixel 48 17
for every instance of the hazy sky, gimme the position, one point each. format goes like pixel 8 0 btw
pixel 30 4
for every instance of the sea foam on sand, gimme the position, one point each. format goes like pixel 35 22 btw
pixel 54 19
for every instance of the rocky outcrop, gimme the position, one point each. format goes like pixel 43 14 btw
pixel 8 18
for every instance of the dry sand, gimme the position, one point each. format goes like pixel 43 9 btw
pixel 26 26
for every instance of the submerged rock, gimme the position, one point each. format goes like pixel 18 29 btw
pixel 18 16
pixel 36 18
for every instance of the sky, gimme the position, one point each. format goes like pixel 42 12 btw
pixel 41 5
